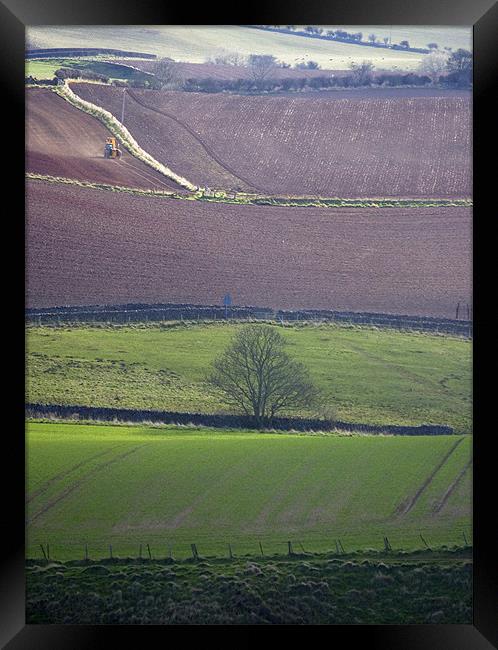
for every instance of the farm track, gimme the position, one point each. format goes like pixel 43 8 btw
pixel 439 506
pixel 84 479
pixel 47 484
pixel 196 137
pixel 405 507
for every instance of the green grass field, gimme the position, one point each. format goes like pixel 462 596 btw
pixel 366 375
pixel 169 487
pixel 45 68
pixel 196 42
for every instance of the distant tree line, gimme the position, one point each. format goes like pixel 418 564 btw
pixel 437 68
pixel 360 77
pixel 347 37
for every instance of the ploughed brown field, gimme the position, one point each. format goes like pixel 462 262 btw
pixel 88 246
pixel 375 145
pixel 63 141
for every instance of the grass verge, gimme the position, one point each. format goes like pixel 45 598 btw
pixel 303 590
pixel 226 197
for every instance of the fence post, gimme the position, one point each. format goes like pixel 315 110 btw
pixel 43 551
pixel 195 555
pixel 342 547
pixel 464 538
pixel 110 551
pixel 150 554
pixel 289 545
pixel 230 555
pixel 261 549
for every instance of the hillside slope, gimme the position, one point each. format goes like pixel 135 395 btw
pixel 365 145
pixel 63 141
pixel 196 43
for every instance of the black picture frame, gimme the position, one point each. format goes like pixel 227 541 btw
pixel 483 16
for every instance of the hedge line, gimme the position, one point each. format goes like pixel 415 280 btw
pixel 227 421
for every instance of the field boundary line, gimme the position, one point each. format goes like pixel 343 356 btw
pixel 71 488
pixel 218 420
pixel 120 131
pixel 405 507
pixel 264 201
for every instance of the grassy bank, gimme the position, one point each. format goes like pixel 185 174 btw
pixel 314 590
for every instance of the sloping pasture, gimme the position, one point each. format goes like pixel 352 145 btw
pixel 194 43
pixel 374 377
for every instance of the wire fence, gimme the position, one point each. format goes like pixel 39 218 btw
pixel 295 547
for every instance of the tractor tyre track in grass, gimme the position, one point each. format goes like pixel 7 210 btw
pixel 440 505
pixel 47 484
pixel 71 488
pixel 196 137
pixel 407 505
pixel 423 381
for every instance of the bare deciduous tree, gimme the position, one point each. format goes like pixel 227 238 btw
pixel 227 58
pixel 257 376
pixel 434 65
pixel 261 65
pixel 459 61
pixel 362 73
pixel 167 73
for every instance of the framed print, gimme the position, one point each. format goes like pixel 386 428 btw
pixel 254 316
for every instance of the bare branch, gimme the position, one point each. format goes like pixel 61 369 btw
pixel 256 374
